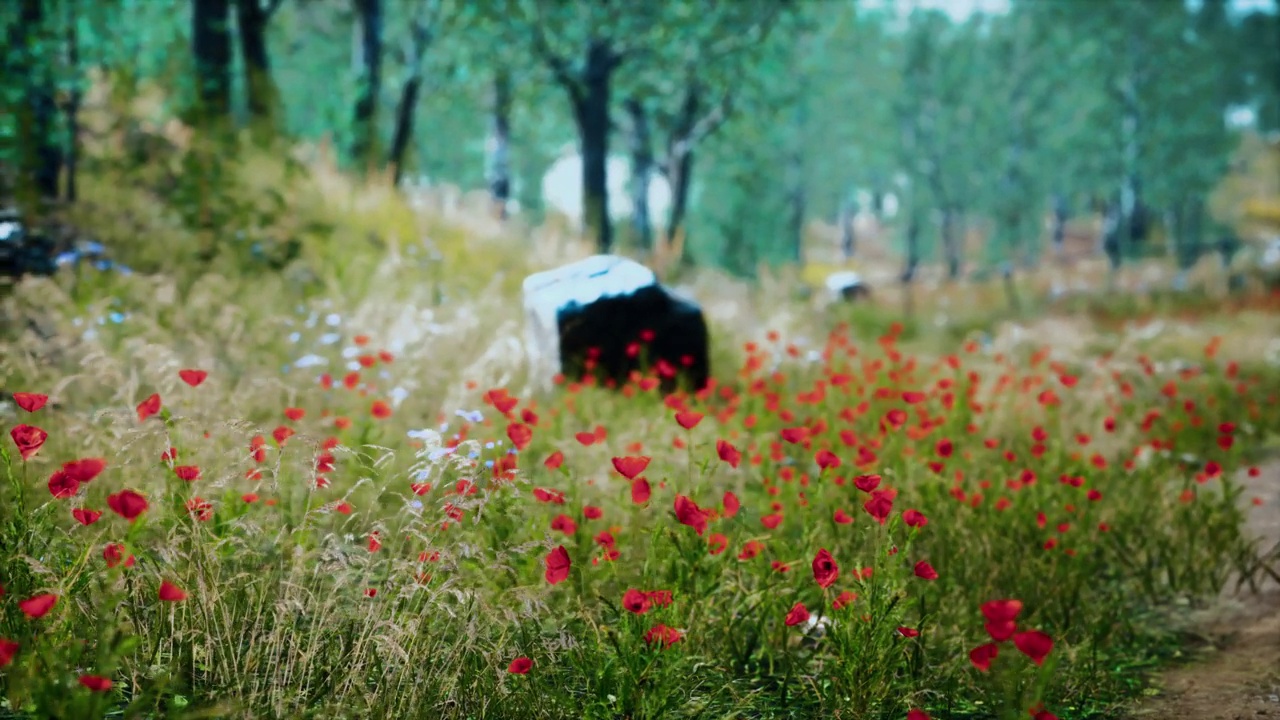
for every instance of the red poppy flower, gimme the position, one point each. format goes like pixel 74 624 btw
pixel 8 649
pixel 728 453
pixel 842 518
pixel 879 506
pixel 127 504
pixel 96 683
pixel 844 599
pixel 688 419
pixel 86 469
pixel 170 592
pixel 38 606
pixel 1000 618
pixel 148 407
pixel 908 632
pixel 62 485
pixel 557 562
pixel 914 518
pixel 636 601
pixel 827 459
pixel 520 434
pixel 85 516
pixel 718 543
pixel 867 483
pixel 629 467
pixel 688 513
pixel 1034 644
pixel 982 656
pixel 731 504
pixel 564 524
pixel 925 571
pixel 554 460
pixel 640 491
pixel 380 409
pixel 113 554
pixel 662 634
pixel 797 614
pixel 592 512
pixel 520 666
pixel 825 569
pixel 190 473
pixel 30 402
pixel 916 714
pixel 193 377
pixel 29 440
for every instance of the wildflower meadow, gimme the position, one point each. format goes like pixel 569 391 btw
pixel 852 529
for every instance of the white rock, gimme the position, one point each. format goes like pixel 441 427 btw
pixel 582 282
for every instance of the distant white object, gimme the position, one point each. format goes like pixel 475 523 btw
pixel 582 282
pixel 562 190
pixel 1271 255
pixel 845 285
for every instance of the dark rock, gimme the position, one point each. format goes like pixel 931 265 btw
pixel 847 285
pixel 588 317
pixel 23 252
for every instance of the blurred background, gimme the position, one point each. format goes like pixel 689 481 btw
pixel 1087 143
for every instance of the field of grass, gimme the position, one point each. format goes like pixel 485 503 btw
pixel 259 501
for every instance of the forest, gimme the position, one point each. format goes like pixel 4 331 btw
pixel 757 115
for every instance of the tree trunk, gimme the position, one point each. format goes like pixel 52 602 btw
pixel 364 143
pixel 591 111
pixel 796 202
pixel 211 46
pixel 1059 233
pixel 797 191
pixel 951 243
pixel 40 152
pixel 499 171
pixel 1113 238
pixel 913 250
pixel 263 97
pixel 912 242
pixel 641 173
pixel 848 238
pixel 680 178
pixel 405 112
pixel 73 109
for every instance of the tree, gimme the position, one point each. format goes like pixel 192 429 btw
pixel 211 46
pixel 252 19
pixel 364 134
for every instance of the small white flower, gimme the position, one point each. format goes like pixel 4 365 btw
pixel 472 416
pixel 330 338
pixel 295 336
pixel 311 360
pixel 333 319
pixel 354 366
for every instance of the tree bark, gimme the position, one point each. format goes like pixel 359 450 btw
pixel 848 238
pixel 263 97
pixel 950 242
pixel 407 107
pixel 641 173
pixel 591 111
pixel 405 112
pixel 364 144
pixel 499 171
pixel 73 109
pixel 211 45
pixel 41 157
pixel 1059 232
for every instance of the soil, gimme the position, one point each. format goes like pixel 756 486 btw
pixel 1238 675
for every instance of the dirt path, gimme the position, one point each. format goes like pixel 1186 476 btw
pixel 1239 678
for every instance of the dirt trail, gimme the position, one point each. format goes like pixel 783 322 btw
pixel 1239 677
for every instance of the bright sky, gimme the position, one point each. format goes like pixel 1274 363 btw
pixel 962 9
